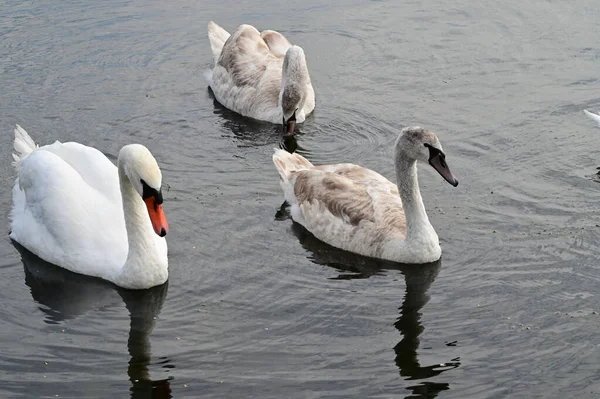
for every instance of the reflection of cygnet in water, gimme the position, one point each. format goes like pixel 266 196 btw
pixel 418 280
pixel 66 295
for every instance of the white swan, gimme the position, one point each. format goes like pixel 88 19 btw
pixel 594 117
pixel 260 75
pixel 72 207
pixel 357 209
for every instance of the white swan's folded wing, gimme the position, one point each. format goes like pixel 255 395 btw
pixel 93 166
pixel 63 219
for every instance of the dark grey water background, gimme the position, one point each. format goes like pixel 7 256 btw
pixel 256 307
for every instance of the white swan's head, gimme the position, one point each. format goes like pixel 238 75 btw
pixel 143 172
pixel 294 86
pixel 419 144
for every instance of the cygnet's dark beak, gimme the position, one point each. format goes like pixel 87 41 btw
pixel 437 159
pixel 289 125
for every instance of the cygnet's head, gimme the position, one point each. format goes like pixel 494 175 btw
pixel 294 83
pixel 144 174
pixel 422 145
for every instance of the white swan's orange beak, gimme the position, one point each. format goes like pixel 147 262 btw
pixel 157 216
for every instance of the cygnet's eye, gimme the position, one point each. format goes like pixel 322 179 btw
pixel 434 151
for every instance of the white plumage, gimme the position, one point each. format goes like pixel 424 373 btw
pixel 72 207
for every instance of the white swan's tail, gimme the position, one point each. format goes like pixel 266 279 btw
pixel 217 37
pixel 287 163
pixel 24 145
pixel 594 117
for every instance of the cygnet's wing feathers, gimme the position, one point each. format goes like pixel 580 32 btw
pixel 245 56
pixel 277 43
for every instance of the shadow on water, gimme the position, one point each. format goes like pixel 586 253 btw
pixel 418 279
pixel 65 295
pixel 252 132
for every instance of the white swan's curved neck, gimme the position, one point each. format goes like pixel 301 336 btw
pixel 146 263
pixel 417 222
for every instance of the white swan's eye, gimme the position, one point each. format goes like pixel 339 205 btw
pixel 151 192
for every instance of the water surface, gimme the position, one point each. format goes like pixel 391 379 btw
pixel 255 306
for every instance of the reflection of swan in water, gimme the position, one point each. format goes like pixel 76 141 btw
pixel 66 295
pixel 252 132
pixel 418 280
pixel 143 311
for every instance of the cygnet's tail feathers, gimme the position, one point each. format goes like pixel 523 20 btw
pixel 287 163
pixel 23 144
pixel 217 37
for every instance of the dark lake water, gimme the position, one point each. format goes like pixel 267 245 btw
pixel 256 307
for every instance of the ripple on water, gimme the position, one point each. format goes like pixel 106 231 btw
pixel 346 135
pixel 257 308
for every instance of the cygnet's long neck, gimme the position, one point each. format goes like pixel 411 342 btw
pixel 146 264
pixel 294 80
pixel 417 222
